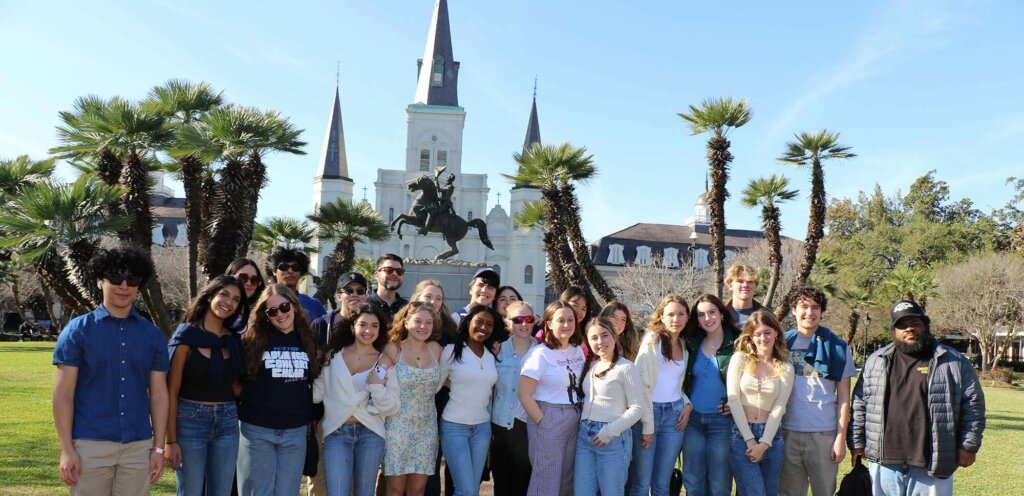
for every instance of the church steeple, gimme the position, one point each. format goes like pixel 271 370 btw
pixel 438 72
pixel 532 131
pixel 333 162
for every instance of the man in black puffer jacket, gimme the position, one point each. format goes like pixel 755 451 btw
pixel 918 410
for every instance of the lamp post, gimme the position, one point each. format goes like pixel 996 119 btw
pixel 864 338
pixel 693 254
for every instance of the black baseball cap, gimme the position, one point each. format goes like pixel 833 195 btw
pixel 489 276
pixel 907 308
pixel 351 277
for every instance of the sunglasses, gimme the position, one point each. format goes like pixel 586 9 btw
pixel 392 270
pixel 117 279
pixel 294 267
pixel 523 319
pixel 282 308
pixel 353 291
pixel 247 279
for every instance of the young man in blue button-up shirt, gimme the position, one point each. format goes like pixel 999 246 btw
pixel 111 381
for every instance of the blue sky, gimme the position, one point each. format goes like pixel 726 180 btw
pixel 911 85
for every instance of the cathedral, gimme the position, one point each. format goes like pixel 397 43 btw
pixel 435 124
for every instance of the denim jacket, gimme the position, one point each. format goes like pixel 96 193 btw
pixel 506 392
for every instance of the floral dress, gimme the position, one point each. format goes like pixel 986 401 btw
pixel 411 443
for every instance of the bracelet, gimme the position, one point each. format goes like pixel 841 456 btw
pixel 171 442
pixel 158 451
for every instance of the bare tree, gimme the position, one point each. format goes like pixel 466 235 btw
pixel 641 287
pixel 171 265
pixel 983 297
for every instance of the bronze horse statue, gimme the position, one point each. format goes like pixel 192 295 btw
pixel 452 227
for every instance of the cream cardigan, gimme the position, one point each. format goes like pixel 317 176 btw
pixel 334 388
pixel 648 359
pixel 769 395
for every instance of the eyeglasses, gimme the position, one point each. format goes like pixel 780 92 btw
pixel 392 270
pixel 117 279
pixel 282 308
pixel 247 279
pixel 355 291
pixel 294 267
pixel 524 319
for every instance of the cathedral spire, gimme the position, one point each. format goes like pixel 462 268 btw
pixel 533 127
pixel 333 162
pixel 438 77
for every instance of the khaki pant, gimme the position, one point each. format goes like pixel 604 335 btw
pixel 808 459
pixel 317 485
pixel 119 469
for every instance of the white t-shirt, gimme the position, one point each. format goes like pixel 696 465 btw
pixel 812 405
pixel 472 381
pixel 554 371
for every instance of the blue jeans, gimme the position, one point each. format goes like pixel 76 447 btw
pixel 352 455
pixel 601 468
pixel 465 451
pixel 757 479
pixel 706 469
pixel 652 467
pixel 904 480
pixel 270 460
pixel 208 438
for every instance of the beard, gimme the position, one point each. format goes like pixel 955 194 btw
pixel 919 348
pixel 388 285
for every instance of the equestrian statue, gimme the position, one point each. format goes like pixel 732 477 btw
pixel 433 211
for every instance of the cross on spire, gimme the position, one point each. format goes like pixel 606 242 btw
pixel 364 193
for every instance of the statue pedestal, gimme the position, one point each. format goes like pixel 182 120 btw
pixel 454 276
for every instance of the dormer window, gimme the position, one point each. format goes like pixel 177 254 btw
pixel 437 73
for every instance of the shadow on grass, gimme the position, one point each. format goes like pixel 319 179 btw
pixel 26 349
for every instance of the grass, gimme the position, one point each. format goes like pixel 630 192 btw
pixel 29 453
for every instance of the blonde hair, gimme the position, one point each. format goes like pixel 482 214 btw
pixel 514 306
pixel 737 270
pixel 745 343
pixel 398 332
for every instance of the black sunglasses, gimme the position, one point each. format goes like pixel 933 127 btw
pixel 117 279
pixel 523 319
pixel 294 267
pixel 282 308
pixel 355 291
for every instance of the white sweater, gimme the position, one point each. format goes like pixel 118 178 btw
pixel 615 398
pixel 648 360
pixel 334 388
pixel 472 382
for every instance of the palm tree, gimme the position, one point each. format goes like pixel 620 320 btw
pixel 18 173
pixel 344 224
pixel 555 169
pixel 57 227
pixel 532 216
pixel 813 149
pixel 182 102
pixel 283 231
pixel 858 299
pixel 911 283
pixel 236 138
pixel 768 192
pixel 718 116
pixel 366 267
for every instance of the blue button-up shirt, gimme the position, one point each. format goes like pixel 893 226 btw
pixel 313 308
pixel 114 359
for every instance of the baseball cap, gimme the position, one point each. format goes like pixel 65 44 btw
pixel 489 276
pixel 351 277
pixel 906 308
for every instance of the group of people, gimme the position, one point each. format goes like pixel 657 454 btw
pixel 259 379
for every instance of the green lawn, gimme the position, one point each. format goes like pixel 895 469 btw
pixel 28 446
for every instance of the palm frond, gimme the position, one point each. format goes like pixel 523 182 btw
pixel 815 147
pixel 717 115
pixel 767 191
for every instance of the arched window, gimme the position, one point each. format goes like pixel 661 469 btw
pixel 643 255
pixel 437 74
pixel 391 215
pixel 442 158
pixel 528 274
pixel 670 257
pixel 424 159
pixel 615 254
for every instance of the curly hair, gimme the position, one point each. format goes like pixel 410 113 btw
pixel 449 328
pixel 814 294
pixel 121 260
pixel 345 335
pixel 257 336
pixel 745 343
pixel 284 255
pixel 398 331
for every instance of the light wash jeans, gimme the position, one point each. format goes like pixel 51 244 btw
pixel 601 468
pixel 208 438
pixel 706 468
pixel 904 480
pixel 465 451
pixel 352 455
pixel 757 479
pixel 651 471
pixel 270 460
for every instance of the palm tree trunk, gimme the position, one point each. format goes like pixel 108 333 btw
pixel 153 296
pixel 136 200
pixel 65 315
pixel 52 276
pixel 256 174
pixel 229 210
pixel 719 158
pixel 342 258
pixel 852 320
pixel 772 226
pixel 557 272
pixel 581 252
pixel 108 167
pixel 192 180
pixel 573 275
pixel 816 223
pixel 209 187
pixel 76 258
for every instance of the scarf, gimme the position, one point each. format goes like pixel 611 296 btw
pixel 827 352
pixel 195 337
